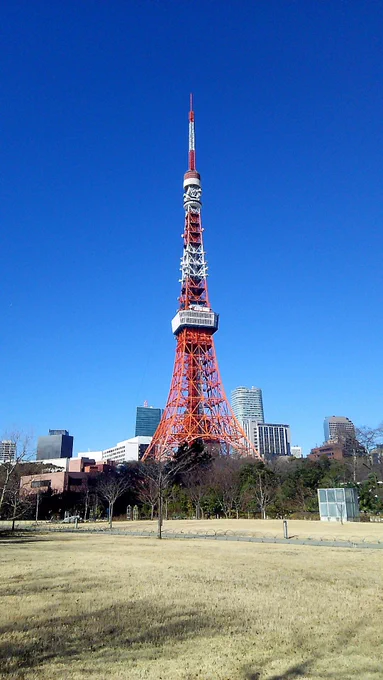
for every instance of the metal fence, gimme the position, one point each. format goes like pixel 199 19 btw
pixel 368 541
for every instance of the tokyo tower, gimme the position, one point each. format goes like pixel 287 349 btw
pixel 197 407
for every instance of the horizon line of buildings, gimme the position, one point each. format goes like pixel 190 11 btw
pixel 270 439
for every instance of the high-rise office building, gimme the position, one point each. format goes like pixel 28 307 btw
pixel 7 451
pixel 270 439
pixel 58 444
pixel 338 429
pixel 147 420
pixel 247 403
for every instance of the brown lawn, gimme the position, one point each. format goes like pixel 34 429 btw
pixel 101 606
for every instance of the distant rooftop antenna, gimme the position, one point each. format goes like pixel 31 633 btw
pixel 146 404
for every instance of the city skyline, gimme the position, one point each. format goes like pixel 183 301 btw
pixel 290 150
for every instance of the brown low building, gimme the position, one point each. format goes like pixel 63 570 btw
pixel 75 478
pixel 58 482
pixel 330 450
pixel 104 466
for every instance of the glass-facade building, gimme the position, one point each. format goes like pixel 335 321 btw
pixel 147 420
pixel 338 505
pixel 247 403
pixel 58 444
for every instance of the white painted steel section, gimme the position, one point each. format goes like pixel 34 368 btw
pixel 192 197
pixel 195 318
pixel 193 263
pixel 191 136
pixel 192 181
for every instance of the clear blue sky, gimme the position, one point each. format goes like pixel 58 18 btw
pixel 289 115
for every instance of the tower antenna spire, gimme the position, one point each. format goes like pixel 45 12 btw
pixel 192 165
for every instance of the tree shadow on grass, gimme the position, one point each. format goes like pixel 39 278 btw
pixel 292 673
pixel 8 537
pixel 53 583
pixel 305 669
pixel 117 633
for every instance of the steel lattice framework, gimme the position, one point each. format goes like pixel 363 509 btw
pixel 197 407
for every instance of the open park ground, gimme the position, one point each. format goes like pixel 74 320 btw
pixel 358 532
pixel 350 532
pixel 301 529
pixel 113 606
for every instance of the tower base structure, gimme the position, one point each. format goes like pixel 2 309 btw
pixel 197 407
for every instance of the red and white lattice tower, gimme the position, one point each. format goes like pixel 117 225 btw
pixel 197 407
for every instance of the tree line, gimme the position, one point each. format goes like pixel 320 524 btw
pixel 196 484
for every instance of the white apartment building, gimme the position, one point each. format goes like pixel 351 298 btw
pixel 297 452
pixel 7 451
pixel 270 439
pixel 127 450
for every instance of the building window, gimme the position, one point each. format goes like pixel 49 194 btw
pixel 75 481
pixel 37 484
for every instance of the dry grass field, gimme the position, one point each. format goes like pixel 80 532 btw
pixel 360 531
pixel 118 607
pixel 301 529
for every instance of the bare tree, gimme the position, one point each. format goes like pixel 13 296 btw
pixel 227 484
pixel 163 473
pixel 359 450
pixel 10 468
pixel 170 495
pixel 90 499
pixel 86 497
pixel 157 477
pixel 197 483
pixel 18 501
pixel 369 438
pixel 247 501
pixel 111 487
pixel 260 483
pixel 264 489
pixel 147 490
pixel 94 504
